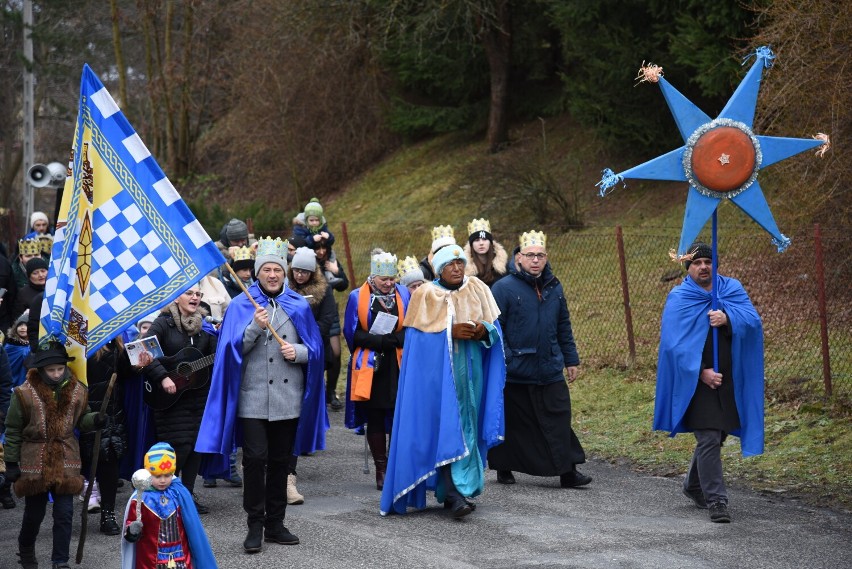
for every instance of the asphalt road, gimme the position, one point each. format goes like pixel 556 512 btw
pixel 622 520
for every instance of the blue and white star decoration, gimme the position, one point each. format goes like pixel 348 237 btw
pixel 721 158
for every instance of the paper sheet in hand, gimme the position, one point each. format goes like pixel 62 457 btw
pixel 149 344
pixel 383 324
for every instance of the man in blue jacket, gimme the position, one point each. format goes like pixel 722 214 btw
pixel 539 344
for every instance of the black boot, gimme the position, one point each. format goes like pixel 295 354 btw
pixel 109 526
pixel 27 556
pixel 379 449
pixel 6 499
pixel 254 539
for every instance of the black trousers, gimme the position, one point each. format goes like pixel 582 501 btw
pixel 107 476
pixel 35 508
pixel 267 448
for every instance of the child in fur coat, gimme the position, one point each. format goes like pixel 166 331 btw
pixel 42 453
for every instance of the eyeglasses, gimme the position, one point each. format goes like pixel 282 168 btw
pixel 192 293
pixel 536 256
pixel 301 272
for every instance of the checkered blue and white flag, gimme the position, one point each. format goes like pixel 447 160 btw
pixel 126 244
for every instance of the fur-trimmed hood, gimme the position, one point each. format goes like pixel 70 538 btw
pixel 498 264
pixel 314 290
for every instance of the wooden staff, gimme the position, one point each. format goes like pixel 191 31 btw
pixel 92 472
pixel 256 305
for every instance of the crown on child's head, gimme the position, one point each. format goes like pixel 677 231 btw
pixel 478 225
pixel 270 246
pixel 161 459
pixel 533 238
pixel 29 247
pixel 407 265
pixel 241 253
pixel 383 265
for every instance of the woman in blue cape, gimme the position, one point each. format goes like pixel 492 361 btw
pixel 449 409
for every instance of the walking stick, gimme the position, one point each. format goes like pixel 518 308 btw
pixel 92 471
pixel 256 305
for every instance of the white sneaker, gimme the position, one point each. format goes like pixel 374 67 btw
pixel 293 496
pixel 82 495
pixel 95 499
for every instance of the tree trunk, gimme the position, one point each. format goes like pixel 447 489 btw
pixel 496 40
pixel 119 56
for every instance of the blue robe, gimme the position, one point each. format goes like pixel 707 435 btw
pixel 178 497
pixel 684 331
pixel 220 431
pixel 430 428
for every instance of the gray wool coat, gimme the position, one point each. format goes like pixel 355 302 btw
pixel 272 387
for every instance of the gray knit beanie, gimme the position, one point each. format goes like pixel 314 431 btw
pixel 304 259
pixel 236 230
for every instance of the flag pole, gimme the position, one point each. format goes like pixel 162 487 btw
pixel 256 305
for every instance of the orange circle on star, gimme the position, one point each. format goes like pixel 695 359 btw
pixel 723 159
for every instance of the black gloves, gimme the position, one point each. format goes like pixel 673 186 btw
pixel 13 471
pixel 99 421
pixel 133 531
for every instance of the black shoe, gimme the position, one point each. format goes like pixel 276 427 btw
pixel 27 557
pixel 254 539
pixel 459 508
pixel 448 504
pixel 505 477
pixel 281 535
pixel 719 513
pixel 697 498
pixel 202 509
pixel 109 526
pixel 6 499
pixel 336 404
pixel 210 483
pixel 574 479
pixel 61 566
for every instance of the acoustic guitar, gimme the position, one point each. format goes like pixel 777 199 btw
pixel 188 368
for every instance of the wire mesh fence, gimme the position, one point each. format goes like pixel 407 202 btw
pixel 784 288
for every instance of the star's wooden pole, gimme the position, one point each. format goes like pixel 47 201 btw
pixel 84 522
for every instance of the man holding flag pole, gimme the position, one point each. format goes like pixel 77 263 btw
pixel 125 245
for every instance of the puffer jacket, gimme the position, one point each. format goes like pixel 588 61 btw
pixel 537 338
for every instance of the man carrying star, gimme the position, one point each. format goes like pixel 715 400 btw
pixel 691 394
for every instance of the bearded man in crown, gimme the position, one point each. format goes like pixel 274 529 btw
pixel 267 393
pixel 539 345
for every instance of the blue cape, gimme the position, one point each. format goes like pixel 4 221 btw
pixel 220 431
pixel 427 428
pixel 684 330
pixel 17 355
pixel 355 414
pixel 179 496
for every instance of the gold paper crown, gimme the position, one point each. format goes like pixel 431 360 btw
pixel 269 246
pixel 407 265
pixel 241 253
pixel 383 265
pixel 478 225
pixel 29 247
pixel 442 235
pixel 45 241
pixel 533 238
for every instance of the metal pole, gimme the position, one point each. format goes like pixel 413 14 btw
pixel 625 293
pixel 823 314
pixel 28 110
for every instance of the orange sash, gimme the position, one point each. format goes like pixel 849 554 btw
pixel 362 377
